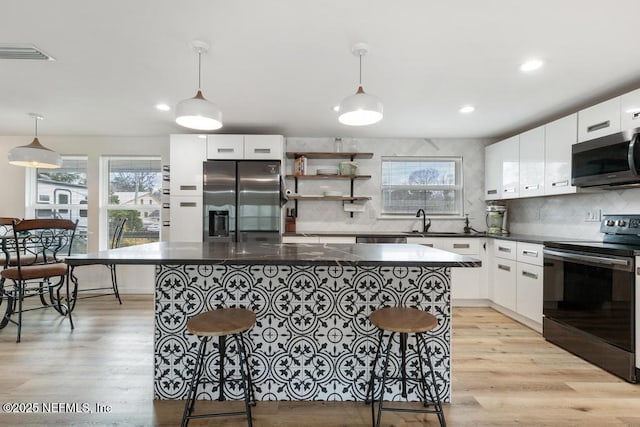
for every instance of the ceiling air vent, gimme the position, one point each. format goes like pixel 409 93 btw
pixel 23 51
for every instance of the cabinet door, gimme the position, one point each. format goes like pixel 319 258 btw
pixel 630 110
pixel 225 147
pixel 529 291
pixel 600 120
pixel 460 246
pixel 187 152
pixel 531 154
pixel 510 155
pixel 492 172
pixel 560 135
pixel 504 283
pixel 186 219
pixel 263 147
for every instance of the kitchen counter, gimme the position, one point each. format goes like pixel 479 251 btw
pixel 312 339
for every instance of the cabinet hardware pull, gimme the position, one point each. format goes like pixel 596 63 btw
pixel 599 126
pixel 510 190
pixel 188 187
pixel 560 183
pixel 166 223
pixel 461 245
pixel 428 244
pixel 531 187
pixel 188 204
pixel 530 253
pixel 635 115
pixel 492 191
pixel 529 275
pixel 262 150
pixel 166 205
pixel 638 271
pixel 503 249
pixel 226 150
pixel 504 267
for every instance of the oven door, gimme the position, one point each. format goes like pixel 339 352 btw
pixel 592 293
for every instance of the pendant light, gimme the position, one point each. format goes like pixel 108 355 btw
pixel 197 112
pixel 35 155
pixel 360 109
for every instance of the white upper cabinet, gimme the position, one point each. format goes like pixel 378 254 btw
pixel 238 147
pixel 187 152
pixel 225 147
pixel 560 135
pixel 532 148
pixel 263 147
pixel 492 172
pixel 630 110
pixel 600 120
pixel 510 155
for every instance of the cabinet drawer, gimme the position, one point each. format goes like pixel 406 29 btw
pixel 600 120
pixel 505 249
pixel 530 253
pixel 225 147
pixel 460 246
pixel 268 147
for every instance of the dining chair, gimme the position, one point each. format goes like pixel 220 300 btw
pixel 41 245
pixel 116 238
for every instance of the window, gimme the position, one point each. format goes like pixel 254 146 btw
pixel 430 183
pixel 133 190
pixel 62 193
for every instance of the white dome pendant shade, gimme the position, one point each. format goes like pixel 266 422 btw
pixel 197 112
pixel 360 109
pixel 35 155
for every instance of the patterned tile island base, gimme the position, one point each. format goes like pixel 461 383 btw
pixel 312 340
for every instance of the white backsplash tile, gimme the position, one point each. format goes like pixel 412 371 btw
pixel 327 217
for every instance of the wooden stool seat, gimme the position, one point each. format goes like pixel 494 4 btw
pixel 224 321
pixel 403 320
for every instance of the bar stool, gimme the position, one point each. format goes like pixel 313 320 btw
pixel 221 323
pixel 403 321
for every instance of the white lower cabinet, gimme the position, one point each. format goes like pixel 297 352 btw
pixel 186 219
pixel 516 279
pixel 504 283
pixel 337 239
pixel 467 283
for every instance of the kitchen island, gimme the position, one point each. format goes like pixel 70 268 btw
pixel 312 339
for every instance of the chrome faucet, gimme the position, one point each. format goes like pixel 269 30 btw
pixel 425 226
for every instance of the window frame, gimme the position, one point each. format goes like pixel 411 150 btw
pixel 105 206
pixel 458 187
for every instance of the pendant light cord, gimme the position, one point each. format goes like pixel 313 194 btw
pixel 199 68
pixel 360 57
pixel 36 119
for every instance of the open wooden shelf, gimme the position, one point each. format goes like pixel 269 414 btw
pixel 329 155
pixel 331 198
pixel 313 177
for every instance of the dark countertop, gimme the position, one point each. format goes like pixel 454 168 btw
pixel 177 253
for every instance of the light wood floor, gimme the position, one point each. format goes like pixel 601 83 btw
pixel 504 374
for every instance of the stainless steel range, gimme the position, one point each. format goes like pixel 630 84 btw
pixel 591 293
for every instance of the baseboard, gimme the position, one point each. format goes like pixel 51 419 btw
pixel 517 317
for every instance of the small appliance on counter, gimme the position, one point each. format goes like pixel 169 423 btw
pixel 496 218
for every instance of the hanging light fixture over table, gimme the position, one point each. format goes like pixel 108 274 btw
pixel 360 109
pixel 35 155
pixel 197 112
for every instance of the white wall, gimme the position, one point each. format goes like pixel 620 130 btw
pixel 132 279
pixel 563 216
pixel 314 216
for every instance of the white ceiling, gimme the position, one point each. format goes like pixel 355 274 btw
pixel 279 66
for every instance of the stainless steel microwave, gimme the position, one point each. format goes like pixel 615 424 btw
pixel 612 161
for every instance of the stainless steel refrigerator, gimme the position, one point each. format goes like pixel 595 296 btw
pixel 241 200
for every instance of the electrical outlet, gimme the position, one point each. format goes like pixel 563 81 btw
pixel 593 215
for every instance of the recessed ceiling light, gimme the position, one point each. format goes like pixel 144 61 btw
pixel 531 65
pixel 467 109
pixel 163 107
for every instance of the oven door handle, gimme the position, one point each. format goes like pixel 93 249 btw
pixel 600 260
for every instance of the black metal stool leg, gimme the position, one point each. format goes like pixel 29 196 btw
pixel 246 382
pixel 197 372
pixel 436 402
pixel 222 344
pixel 403 362
pixel 252 393
pixel 370 387
pixel 384 380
